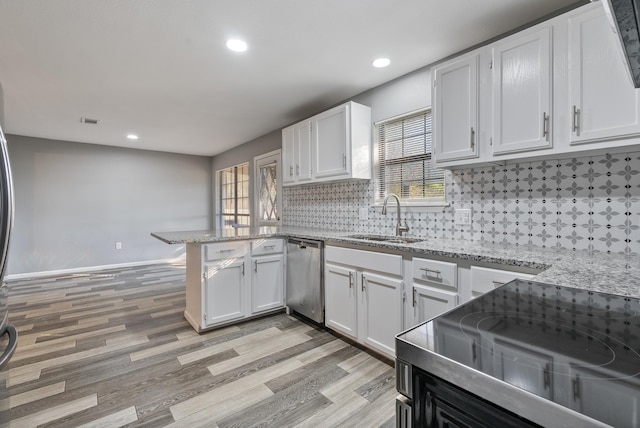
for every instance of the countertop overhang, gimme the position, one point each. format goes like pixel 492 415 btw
pixel 587 270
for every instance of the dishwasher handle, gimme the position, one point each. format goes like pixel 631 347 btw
pixel 303 243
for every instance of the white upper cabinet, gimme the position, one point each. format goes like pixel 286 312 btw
pixel 603 102
pixel 455 112
pixel 296 153
pixel 331 142
pixel 522 76
pixel 333 145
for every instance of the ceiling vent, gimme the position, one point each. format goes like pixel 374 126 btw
pixel 89 121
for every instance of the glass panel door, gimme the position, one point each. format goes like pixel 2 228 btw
pixel 268 188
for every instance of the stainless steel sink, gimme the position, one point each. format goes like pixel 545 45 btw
pixel 389 239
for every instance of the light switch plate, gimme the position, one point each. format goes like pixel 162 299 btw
pixel 364 213
pixel 463 216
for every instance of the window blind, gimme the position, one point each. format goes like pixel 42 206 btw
pixel 404 159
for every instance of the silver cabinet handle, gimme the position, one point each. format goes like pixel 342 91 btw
pixel 297 169
pixel 242 268
pixel 427 272
pixel 546 373
pixel 344 161
pixel 363 280
pixel 575 383
pixel 269 247
pixel 545 126
pixel 255 266
pixel 414 297
pixel 576 119
pixel 225 251
pixel 350 280
pixel 473 137
pixel 290 170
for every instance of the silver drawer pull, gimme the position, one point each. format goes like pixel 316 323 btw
pixel 269 247
pixel 497 284
pixel 432 272
pixel 576 120
pixel 473 138
pixel 226 251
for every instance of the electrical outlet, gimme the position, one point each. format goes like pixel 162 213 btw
pixel 463 216
pixel 364 213
pixel 118 245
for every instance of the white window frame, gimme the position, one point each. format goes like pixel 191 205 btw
pixel 218 206
pixel 412 204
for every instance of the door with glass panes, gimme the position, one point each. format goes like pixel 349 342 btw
pixel 268 188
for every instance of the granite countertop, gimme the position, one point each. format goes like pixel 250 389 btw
pixel 590 270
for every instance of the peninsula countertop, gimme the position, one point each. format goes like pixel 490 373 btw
pixel 587 270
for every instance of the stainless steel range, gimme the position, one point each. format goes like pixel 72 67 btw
pixel 524 354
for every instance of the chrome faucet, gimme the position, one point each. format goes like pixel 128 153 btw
pixel 400 229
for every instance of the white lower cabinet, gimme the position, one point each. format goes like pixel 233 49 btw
pixel 232 281
pixel 428 303
pixel 477 280
pixel 363 296
pixel 434 289
pixel 224 292
pixel 267 280
pixel 523 367
pixel 381 314
pixel 340 300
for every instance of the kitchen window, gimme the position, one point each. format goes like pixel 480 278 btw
pixel 404 163
pixel 233 193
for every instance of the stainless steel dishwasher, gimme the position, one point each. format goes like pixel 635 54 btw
pixel 305 279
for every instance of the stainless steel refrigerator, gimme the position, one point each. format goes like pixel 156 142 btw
pixel 8 333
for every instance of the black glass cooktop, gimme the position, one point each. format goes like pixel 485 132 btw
pixel 577 348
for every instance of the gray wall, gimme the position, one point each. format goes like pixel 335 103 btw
pixel 74 201
pixel 1 107
pixel 244 153
pixel 405 94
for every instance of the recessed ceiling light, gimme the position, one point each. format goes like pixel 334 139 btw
pixel 381 62
pixel 132 136
pixel 237 45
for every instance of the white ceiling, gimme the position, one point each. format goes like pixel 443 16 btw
pixel 160 68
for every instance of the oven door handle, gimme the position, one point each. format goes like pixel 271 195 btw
pixel 11 347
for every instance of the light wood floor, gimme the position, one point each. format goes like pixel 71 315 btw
pixel 112 349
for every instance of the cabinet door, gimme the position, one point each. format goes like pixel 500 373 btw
pixel 524 368
pixel 603 100
pixel 340 299
pixel 428 303
pixel 381 313
pixel 288 155
pixel 459 344
pixel 522 92
pixel 603 397
pixel 267 285
pixel 455 113
pixel 303 152
pixel 224 292
pixel 332 154
pixel 486 279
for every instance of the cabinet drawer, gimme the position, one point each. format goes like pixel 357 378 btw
pixel 224 250
pixel 266 246
pixel 369 260
pixel 441 273
pixel 486 279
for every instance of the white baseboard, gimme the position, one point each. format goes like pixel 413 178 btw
pixel 91 268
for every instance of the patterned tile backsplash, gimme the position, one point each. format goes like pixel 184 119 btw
pixel 580 203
